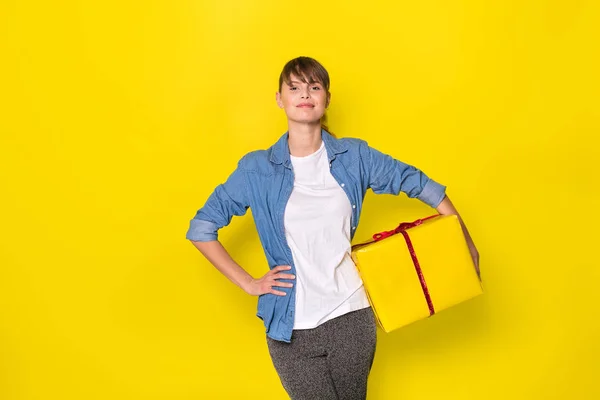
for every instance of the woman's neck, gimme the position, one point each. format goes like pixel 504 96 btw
pixel 304 139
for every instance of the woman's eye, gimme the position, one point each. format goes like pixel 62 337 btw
pixel 316 87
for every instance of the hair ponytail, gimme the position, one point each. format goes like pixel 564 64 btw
pixel 323 126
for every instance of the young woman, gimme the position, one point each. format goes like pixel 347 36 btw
pixel 306 193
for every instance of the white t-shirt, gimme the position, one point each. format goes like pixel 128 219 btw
pixel 317 229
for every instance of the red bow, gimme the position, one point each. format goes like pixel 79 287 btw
pixel 400 228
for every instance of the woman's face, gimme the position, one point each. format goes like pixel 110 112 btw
pixel 303 102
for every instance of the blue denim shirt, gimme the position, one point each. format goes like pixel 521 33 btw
pixel 263 181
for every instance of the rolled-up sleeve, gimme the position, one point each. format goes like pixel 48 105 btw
pixel 228 199
pixel 388 175
pixel 202 231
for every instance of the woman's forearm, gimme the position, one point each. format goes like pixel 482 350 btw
pixel 447 208
pixel 220 258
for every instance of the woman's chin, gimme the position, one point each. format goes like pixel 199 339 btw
pixel 307 121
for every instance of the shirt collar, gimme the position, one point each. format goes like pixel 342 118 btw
pixel 280 151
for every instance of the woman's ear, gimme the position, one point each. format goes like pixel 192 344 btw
pixel 328 99
pixel 278 99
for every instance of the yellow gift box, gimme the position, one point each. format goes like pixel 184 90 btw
pixel 417 270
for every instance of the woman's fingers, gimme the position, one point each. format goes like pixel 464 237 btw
pixel 282 284
pixel 281 275
pixel 284 276
pixel 271 279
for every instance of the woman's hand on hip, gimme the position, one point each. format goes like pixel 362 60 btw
pixel 269 281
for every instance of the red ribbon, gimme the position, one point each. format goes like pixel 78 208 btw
pixel 402 229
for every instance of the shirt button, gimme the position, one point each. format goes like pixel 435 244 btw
pixel 353 205
pixel 353 227
pixel 343 184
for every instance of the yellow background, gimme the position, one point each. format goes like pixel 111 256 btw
pixel 117 119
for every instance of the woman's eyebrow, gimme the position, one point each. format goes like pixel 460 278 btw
pixel 310 83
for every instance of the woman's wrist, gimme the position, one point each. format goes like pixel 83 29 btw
pixel 246 284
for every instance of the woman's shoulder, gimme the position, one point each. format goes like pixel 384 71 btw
pixel 254 156
pixel 353 144
pixel 352 141
pixel 256 161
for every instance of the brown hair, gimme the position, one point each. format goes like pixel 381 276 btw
pixel 308 70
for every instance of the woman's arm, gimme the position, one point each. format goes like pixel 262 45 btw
pixel 447 208
pixel 392 176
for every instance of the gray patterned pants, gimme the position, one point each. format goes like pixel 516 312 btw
pixel 331 361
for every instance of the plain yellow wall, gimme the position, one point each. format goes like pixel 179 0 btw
pixel 117 120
